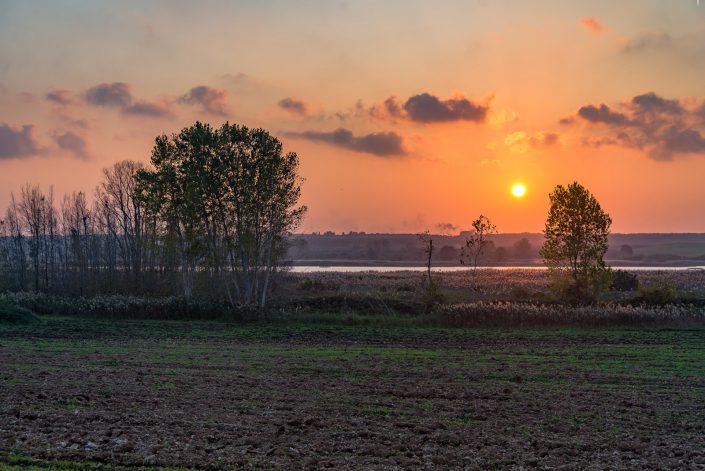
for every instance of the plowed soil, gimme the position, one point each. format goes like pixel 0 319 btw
pixel 292 396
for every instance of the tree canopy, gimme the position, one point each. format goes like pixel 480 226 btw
pixel 576 235
pixel 226 198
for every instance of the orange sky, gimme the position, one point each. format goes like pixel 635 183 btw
pixel 486 93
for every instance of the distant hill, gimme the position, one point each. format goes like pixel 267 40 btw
pixel 522 249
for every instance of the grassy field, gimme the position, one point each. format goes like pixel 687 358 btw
pixel 80 394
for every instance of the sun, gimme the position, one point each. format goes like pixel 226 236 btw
pixel 518 190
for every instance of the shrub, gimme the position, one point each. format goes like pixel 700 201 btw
pixel 623 280
pixel 658 294
pixel 515 314
pixel 432 294
pixel 583 289
pixel 13 314
pixel 315 284
pixel 125 307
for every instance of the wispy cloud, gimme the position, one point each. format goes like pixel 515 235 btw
pixel 592 24
pixel 73 143
pixel 148 109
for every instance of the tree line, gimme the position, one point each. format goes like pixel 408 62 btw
pixel 210 217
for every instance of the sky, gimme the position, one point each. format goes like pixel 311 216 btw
pixel 406 115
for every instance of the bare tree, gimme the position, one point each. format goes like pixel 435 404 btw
pixel 120 214
pixel 477 242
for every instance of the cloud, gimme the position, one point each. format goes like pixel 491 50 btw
pixel 212 100
pixel 60 97
pixel 17 143
pixel 603 114
pixel 663 128
pixel 116 94
pixel 592 24
pixel 426 108
pixel 521 142
pixel 294 106
pixel 381 144
pixel 147 109
pixel 652 103
pixel 447 227
pixel 73 143
pixel 648 42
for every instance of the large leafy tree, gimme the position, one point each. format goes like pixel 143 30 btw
pixel 227 198
pixel 576 235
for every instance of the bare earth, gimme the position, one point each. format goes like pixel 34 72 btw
pixel 294 396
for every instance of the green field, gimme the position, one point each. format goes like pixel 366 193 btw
pixel 301 394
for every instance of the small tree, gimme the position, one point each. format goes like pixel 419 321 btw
pixel 477 242
pixel 430 286
pixel 576 241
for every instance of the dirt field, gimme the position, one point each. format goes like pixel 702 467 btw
pixel 290 396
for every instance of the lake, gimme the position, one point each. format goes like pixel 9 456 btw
pixel 359 269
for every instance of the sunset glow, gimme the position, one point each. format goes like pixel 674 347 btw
pixel 403 122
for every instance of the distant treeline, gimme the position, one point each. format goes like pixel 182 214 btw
pixel 502 249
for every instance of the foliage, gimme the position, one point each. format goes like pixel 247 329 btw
pixel 13 314
pixel 227 199
pixel 657 294
pixel 623 280
pixel 517 314
pixel 576 234
pixel 124 307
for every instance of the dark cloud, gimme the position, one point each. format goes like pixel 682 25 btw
pixel 602 114
pixel 212 100
pixel 115 94
pixel 649 42
pixel 72 142
pixel 426 108
pixel 17 143
pixel 381 144
pixel 60 97
pixel 147 109
pixel 651 102
pixel 663 128
pixel 700 112
pixel 294 106
pixel 677 140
